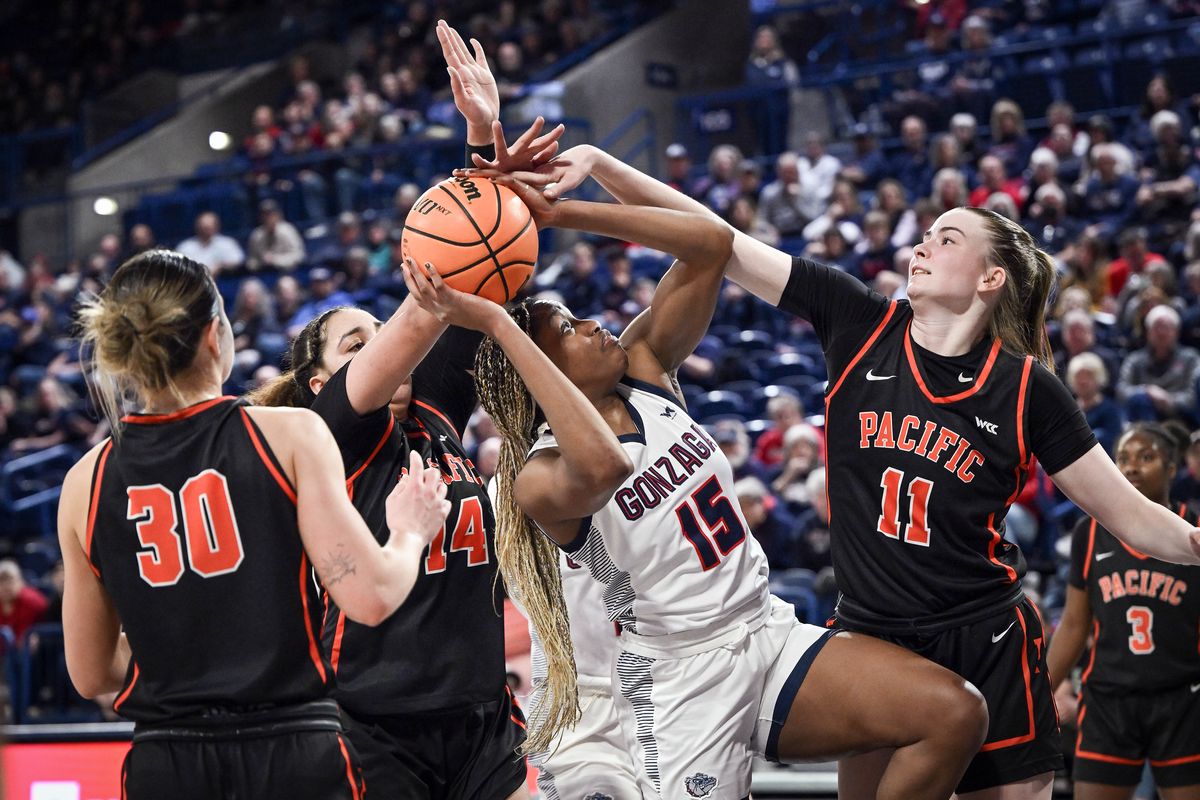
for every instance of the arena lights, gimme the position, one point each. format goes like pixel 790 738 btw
pixel 105 206
pixel 219 141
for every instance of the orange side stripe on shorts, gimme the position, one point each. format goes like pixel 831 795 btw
pixel 354 793
pixel 1028 737
pixel 335 651
pixel 1132 762
pixel 1174 762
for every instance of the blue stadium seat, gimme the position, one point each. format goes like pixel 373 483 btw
pixel 753 340
pixel 38 557
pixel 760 398
pixel 717 404
pixel 785 364
pixel 1130 78
pixel 1184 72
pixel 756 428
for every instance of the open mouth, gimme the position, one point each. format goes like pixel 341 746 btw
pixel 919 271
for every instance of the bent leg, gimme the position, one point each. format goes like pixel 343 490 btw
pixel 1037 787
pixel 859 776
pixel 1102 791
pixel 863 694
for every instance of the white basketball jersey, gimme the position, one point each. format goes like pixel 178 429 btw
pixel 671 549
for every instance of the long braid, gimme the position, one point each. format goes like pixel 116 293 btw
pixel 529 561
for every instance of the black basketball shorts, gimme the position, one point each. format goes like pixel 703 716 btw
pixel 1120 730
pixel 1004 656
pixel 465 754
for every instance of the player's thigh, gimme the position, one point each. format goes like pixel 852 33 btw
pixel 592 759
pixel 1102 791
pixel 859 775
pixel 863 694
pixel 1037 787
pixel 1180 792
pixel 691 720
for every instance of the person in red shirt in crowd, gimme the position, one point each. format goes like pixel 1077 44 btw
pixel 1135 257
pixel 21 606
pixel 992 179
pixel 784 411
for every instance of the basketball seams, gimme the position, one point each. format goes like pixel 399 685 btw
pixel 483 240
pixel 500 268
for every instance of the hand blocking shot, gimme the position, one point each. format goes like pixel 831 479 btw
pixel 601 461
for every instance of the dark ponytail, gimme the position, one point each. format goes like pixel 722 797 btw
pixel 291 389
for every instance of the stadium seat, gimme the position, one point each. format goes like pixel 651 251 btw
pixel 753 340
pixel 717 404
pixel 785 364
pixel 760 398
pixel 755 428
pixel 1130 79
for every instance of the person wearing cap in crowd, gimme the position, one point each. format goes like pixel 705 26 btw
pixel 323 294
pixel 679 169
pixel 275 244
pixel 210 247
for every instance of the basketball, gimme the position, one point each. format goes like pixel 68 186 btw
pixel 477 233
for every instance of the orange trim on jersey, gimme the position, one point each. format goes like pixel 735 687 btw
pixel 980 379
pixel 183 413
pixel 1021 407
pixel 378 446
pixel 1028 737
pixel 313 652
pixel 1183 510
pixel 354 793
pixel 95 504
pixel 1087 562
pixel 1139 555
pixel 260 446
pixel 335 650
pixel 439 414
pixel 125 694
pixel 1092 661
pixel 993 543
pixel 862 351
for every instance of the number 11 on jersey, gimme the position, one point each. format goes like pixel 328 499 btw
pixel 919 489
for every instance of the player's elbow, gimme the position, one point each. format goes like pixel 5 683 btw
pixel 91 683
pixel 611 468
pixel 370 611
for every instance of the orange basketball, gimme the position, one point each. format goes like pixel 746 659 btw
pixel 477 233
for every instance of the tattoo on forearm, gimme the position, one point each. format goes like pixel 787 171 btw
pixel 337 565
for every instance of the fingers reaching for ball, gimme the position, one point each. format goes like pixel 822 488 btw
pixel 448 305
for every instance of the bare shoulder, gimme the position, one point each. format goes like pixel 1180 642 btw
pixel 290 422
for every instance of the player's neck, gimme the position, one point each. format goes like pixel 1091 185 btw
pixel 612 409
pixel 186 393
pixel 946 333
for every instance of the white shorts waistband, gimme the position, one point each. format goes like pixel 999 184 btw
pixel 693 642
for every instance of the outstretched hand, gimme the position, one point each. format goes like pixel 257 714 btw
pixel 528 152
pixel 448 305
pixel 554 178
pixel 475 93
pixel 418 503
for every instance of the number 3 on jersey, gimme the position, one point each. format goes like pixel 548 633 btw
pixel 919 490
pixel 469 534
pixel 214 544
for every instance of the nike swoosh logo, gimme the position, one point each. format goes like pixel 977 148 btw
pixel 964 379
pixel 1102 556
pixel 1195 687
pixel 871 376
pixel 998 636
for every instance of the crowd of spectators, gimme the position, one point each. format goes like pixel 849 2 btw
pixel 1114 201
pixel 389 93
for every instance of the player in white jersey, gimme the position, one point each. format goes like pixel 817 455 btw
pixel 589 761
pixel 711 669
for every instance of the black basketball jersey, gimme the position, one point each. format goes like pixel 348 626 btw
pixel 444 648
pixel 919 484
pixel 192 529
pixel 1145 612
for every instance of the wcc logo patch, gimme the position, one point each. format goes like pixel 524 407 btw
pixel 598 796
pixel 700 785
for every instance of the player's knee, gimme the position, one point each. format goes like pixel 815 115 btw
pixel 969 714
pixel 958 713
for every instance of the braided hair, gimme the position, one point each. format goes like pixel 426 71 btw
pixel 529 561
pixel 304 358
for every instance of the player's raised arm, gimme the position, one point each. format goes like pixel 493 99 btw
pixel 366 581
pixel 555 489
pixel 1094 484
pixel 757 267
